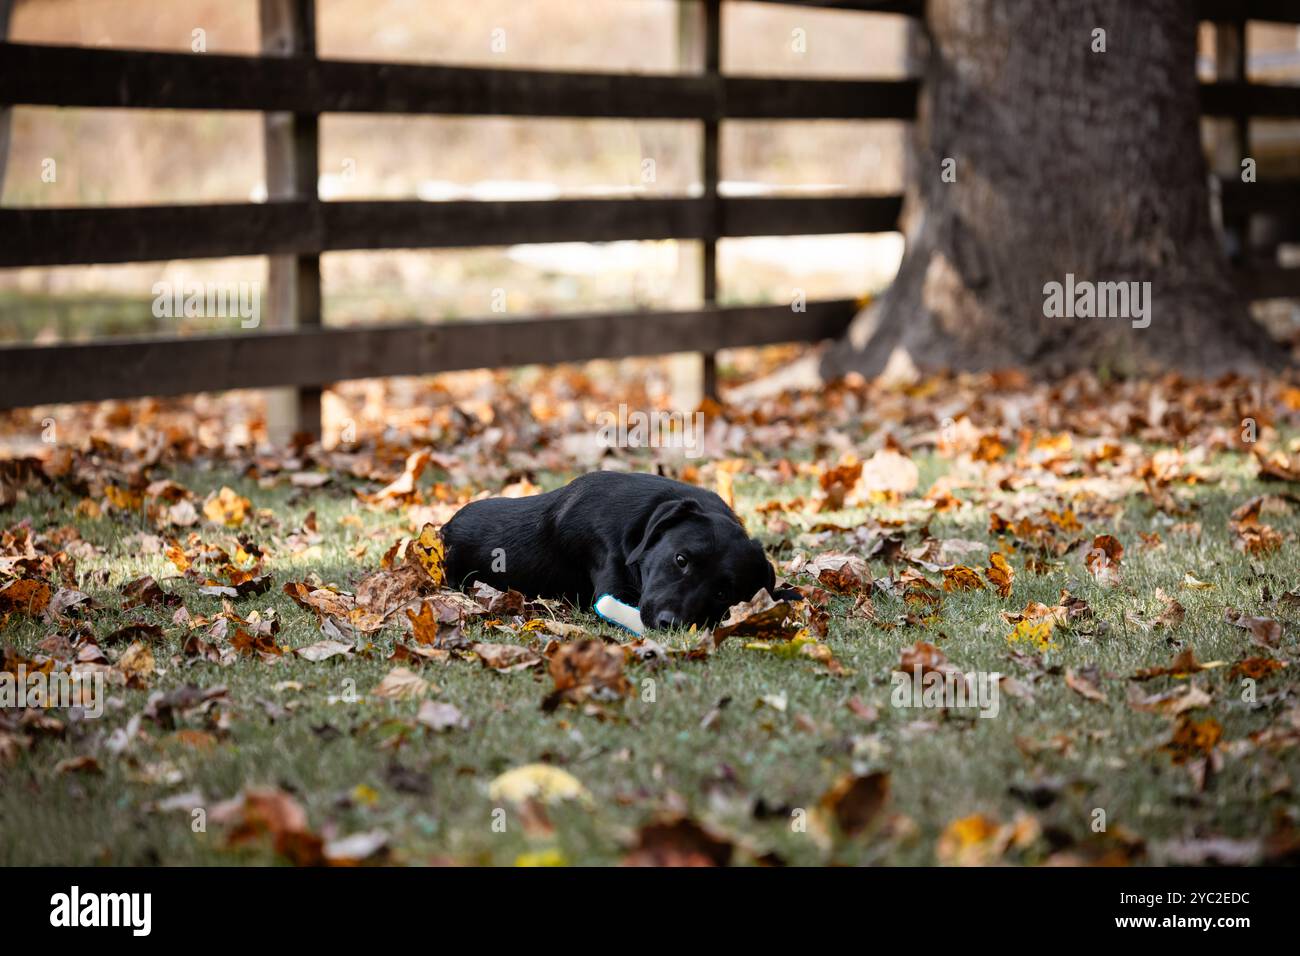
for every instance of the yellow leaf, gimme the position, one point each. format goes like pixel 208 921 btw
pixel 228 508
pixel 1038 633
pixel 123 498
pixel 429 552
pixel 537 781
pixel 551 857
pixel 967 831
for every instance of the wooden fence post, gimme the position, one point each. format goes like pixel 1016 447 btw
pixel 292 167
pixel 1231 138
pixel 6 114
pixel 709 173
pixel 698 45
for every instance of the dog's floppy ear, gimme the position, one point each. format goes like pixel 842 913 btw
pixel 666 514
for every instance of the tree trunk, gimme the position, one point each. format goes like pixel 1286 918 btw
pixel 1068 162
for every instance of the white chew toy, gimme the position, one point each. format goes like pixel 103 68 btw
pixel 616 612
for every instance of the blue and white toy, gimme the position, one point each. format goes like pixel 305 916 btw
pixel 616 612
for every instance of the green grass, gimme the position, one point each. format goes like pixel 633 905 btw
pixel 337 758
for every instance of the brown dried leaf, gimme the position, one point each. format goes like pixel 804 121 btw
pixel 586 670
pixel 401 684
pixel 1084 683
pixel 506 657
pixel 856 802
pixel 762 618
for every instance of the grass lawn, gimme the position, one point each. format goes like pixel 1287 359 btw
pixel 1024 786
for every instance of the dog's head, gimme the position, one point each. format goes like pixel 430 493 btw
pixel 695 564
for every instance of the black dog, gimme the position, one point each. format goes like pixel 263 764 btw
pixel 676 551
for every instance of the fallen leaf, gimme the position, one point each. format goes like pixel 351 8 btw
pixel 324 650
pixel 255 644
pixel 1000 574
pixel 1256 668
pixel 145 592
pixel 1183 665
pixel 269 812
pixel 1193 739
pixel 1084 683
pixel 440 716
pixel 227 508
pixel 925 658
pixel 537 781
pixel 82 764
pixel 403 486
pixel 1264 631
pixel 678 841
pixel 383 592
pixel 328 604
pixel 137 663
pixel 368 846
pixel 401 684
pixel 432 629
pixel 24 597
pixel 587 670
pixel 887 472
pixel 1172 615
pixel 1171 703
pixel 1035 632
pixel 761 617
pixel 969 841
pixel 866 712
pixel 1103 559
pixel 506 657
pixel 840 572
pixel 856 802
pixel 963 578
pixel 503 603
pixel 429 553
pixel 136 631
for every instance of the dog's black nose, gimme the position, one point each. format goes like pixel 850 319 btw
pixel 664 619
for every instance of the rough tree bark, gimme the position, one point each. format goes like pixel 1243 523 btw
pixel 1066 161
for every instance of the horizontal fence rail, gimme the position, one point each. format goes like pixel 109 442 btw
pixel 125 368
pixel 911 8
pixel 1261 196
pixel 1254 99
pixel 1279 11
pixel 1269 282
pixel 1282 11
pixel 46 237
pixel 36 75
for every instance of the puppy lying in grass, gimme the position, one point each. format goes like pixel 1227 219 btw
pixel 675 551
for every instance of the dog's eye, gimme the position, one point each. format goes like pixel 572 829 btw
pixel 682 562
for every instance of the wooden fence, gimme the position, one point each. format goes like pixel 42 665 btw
pixel 291 86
